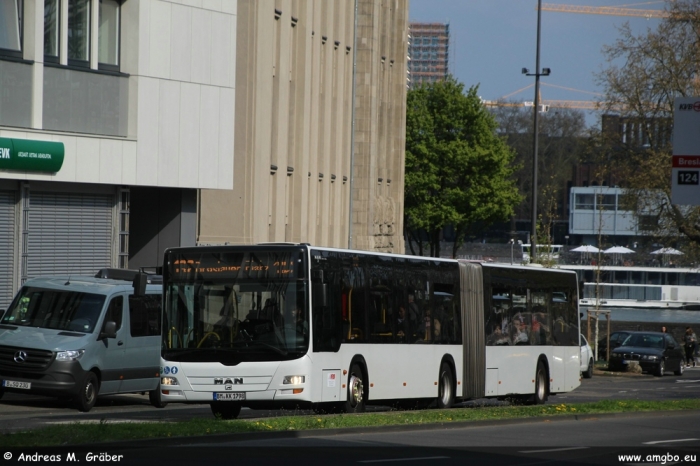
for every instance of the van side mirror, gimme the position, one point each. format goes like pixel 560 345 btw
pixel 110 330
pixel 140 282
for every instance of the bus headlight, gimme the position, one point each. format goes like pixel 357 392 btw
pixel 71 355
pixel 294 379
pixel 168 381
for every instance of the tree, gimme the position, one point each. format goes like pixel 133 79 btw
pixel 562 144
pixel 645 74
pixel 458 170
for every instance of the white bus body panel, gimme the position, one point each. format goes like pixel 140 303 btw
pixel 511 369
pixel 263 381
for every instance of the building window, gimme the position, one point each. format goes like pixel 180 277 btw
pixel 124 211
pixel 51 29
pixel 11 27
pixel 108 38
pixel 584 202
pixel 79 32
pixel 82 44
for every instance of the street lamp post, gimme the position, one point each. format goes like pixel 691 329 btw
pixel 536 74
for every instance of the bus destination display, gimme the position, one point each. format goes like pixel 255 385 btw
pixel 238 266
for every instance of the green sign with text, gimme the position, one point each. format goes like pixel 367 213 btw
pixel 30 155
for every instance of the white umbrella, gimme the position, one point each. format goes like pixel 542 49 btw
pixel 586 248
pixel 667 251
pixel 618 250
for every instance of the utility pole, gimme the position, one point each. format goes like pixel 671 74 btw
pixel 536 109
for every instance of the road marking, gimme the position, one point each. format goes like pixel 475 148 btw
pixel 671 441
pixel 687 381
pixel 407 459
pixel 554 449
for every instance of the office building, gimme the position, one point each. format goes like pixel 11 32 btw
pixel 428 52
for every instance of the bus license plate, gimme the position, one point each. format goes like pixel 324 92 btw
pixel 229 396
pixel 13 384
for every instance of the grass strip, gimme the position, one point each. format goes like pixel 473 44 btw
pixel 104 431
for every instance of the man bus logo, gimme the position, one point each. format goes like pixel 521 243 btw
pixel 234 381
pixel 694 106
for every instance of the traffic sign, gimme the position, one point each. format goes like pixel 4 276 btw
pixel 685 177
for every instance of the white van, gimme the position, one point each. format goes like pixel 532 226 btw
pixel 81 337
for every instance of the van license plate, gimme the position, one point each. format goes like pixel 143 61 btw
pixel 229 396
pixel 13 384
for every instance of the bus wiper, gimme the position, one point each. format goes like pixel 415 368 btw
pixel 272 347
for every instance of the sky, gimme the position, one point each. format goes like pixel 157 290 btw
pixel 492 40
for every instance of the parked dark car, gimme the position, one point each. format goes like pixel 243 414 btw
pixel 616 339
pixel 655 352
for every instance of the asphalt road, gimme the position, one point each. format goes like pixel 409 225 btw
pixel 23 412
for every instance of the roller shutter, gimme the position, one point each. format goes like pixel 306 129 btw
pixel 7 246
pixel 68 233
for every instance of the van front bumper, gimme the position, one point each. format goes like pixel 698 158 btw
pixel 61 378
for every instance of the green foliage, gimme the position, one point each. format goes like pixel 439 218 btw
pixel 458 171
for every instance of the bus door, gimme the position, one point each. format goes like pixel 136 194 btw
pixel 327 302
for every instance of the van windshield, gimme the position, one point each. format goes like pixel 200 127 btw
pixel 55 309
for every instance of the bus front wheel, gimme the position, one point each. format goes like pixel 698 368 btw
pixel 356 391
pixel 446 392
pixel 225 409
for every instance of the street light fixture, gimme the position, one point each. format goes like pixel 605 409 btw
pixel 536 74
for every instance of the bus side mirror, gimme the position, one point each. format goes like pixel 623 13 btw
pixel 110 330
pixel 320 295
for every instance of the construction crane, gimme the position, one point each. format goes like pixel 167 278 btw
pixel 546 104
pixel 606 10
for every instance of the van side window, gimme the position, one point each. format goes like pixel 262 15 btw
pixel 145 315
pixel 115 311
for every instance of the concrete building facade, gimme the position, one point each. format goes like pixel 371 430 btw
pixel 124 109
pixel 309 166
pixel 127 127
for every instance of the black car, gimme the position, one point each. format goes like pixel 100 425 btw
pixel 616 339
pixel 655 352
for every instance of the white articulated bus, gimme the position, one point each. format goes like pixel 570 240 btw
pixel 297 326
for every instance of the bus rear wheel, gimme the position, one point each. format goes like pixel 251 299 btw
pixel 356 391
pixel 541 392
pixel 225 409
pixel 446 392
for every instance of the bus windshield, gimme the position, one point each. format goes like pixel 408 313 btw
pixel 235 307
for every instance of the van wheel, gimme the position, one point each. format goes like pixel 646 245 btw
pixel 225 409
pixel 356 391
pixel 446 393
pixel 589 372
pixel 155 399
pixel 87 393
